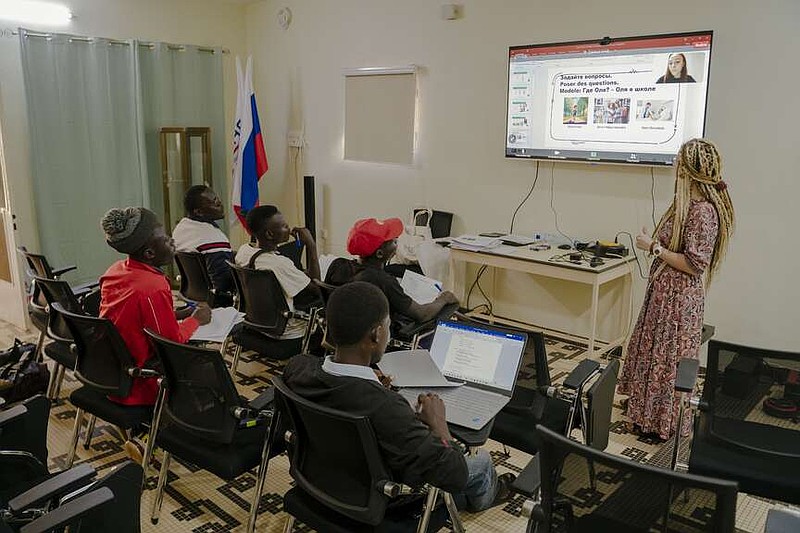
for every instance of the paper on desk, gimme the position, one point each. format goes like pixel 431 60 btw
pixel 422 289
pixel 222 321
pixel 413 368
pixel 475 243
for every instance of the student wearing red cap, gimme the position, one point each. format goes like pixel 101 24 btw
pixel 375 243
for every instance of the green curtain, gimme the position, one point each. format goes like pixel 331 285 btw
pixel 182 87
pixel 94 108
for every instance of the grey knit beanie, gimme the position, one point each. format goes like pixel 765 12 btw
pixel 128 229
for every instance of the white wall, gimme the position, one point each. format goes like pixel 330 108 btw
pixel 752 115
pixel 201 22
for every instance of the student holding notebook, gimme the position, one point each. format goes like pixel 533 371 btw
pixel 416 444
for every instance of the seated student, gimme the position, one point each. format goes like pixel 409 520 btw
pixel 198 232
pixel 270 229
pixel 136 295
pixel 375 242
pixel 417 447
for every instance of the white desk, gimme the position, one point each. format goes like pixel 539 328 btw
pixel 538 263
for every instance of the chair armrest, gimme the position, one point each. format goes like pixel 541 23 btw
pixel 69 512
pixel 581 373
pixel 782 520
pixel 11 414
pixel 55 487
pixel 63 270
pixel 686 377
pixel 263 400
pixel 529 480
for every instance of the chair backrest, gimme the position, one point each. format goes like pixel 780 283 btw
pixel 123 513
pixel 103 359
pixel 334 456
pixel 37 263
pixel 628 496
pixel 738 379
pixel 293 252
pixel 264 302
pixel 27 430
pixel 600 398
pixel 201 395
pixel 195 281
pixel 58 291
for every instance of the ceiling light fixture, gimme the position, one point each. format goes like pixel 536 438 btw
pixel 34 12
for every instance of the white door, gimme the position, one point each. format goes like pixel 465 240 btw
pixel 12 304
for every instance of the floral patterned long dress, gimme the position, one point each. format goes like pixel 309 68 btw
pixel 669 326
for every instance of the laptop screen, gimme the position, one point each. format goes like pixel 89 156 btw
pixel 479 355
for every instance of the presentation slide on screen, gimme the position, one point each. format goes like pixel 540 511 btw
pixel 637 102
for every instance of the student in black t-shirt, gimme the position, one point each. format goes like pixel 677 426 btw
pixel 375 242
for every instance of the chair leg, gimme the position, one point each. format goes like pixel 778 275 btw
pixel 40 347
pixel 452 510
pixel 62 370
pixel 430 502
pixel 162 483
pixel 289 525
pixel 87 440
pixel 224 349
pixel 677 441
pixel 51 386
pixel 274 422
pixel 150 445
pixel 236 353
pixel 74 441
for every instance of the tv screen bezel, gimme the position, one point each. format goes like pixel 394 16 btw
pixel 604 41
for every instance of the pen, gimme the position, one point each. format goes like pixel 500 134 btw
pixel 438 287
pixel 297 241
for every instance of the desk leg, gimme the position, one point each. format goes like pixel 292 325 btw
pixel 593 318
pixel 458 279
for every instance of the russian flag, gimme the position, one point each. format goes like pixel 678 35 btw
pixel 249 156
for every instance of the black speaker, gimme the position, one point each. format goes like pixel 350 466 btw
pixel 310 205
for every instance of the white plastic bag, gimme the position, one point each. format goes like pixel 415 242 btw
pixel 415 232
pixel 434 260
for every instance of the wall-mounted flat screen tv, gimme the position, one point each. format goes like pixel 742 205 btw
pixel 630 100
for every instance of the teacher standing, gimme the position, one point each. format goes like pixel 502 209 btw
pixel 687 247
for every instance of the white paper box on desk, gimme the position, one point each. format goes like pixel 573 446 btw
pixel 475 243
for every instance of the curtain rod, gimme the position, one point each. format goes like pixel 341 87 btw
pixel 148 45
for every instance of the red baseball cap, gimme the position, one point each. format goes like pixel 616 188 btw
pixel 368 234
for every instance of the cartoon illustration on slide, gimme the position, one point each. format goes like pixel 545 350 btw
pixel 576 110
pixel 612 110
pixel 659 110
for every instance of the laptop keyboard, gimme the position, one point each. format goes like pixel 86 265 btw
pixel 462 404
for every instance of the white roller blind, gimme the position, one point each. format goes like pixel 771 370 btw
pixel 380 111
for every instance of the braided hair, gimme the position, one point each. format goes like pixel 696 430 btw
pixel 700 164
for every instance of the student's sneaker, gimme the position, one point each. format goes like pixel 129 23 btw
pixel 503 492
pixel 134 448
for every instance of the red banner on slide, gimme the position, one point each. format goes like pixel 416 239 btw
pixel 699 41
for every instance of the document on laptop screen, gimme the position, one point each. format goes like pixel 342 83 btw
pixel 472 358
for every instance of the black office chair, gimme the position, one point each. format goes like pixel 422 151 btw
pixel 105 367
pixel 39 265
pixel 734 437
pixel 59 291
pixel 54 501
pixel 196 284
pixel 267 314
pixel 23 430
pixel 26 484
pixel 343 484
pixel 206 423
pixel 629 496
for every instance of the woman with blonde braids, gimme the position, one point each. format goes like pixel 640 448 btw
pixel 687 248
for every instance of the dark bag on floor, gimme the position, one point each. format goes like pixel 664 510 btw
pixel 21 376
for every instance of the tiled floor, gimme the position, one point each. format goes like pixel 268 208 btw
pixel 199 502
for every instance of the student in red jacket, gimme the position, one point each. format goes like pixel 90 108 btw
pixel 136 295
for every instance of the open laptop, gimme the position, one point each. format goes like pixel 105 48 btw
pixel 484 359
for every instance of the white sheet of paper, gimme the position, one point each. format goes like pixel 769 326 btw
pixel 222 321
pixel 422 289
pixel 413 368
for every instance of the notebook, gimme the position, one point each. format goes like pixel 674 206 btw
pixel 484 360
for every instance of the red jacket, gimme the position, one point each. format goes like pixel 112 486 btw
pixel 135 296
